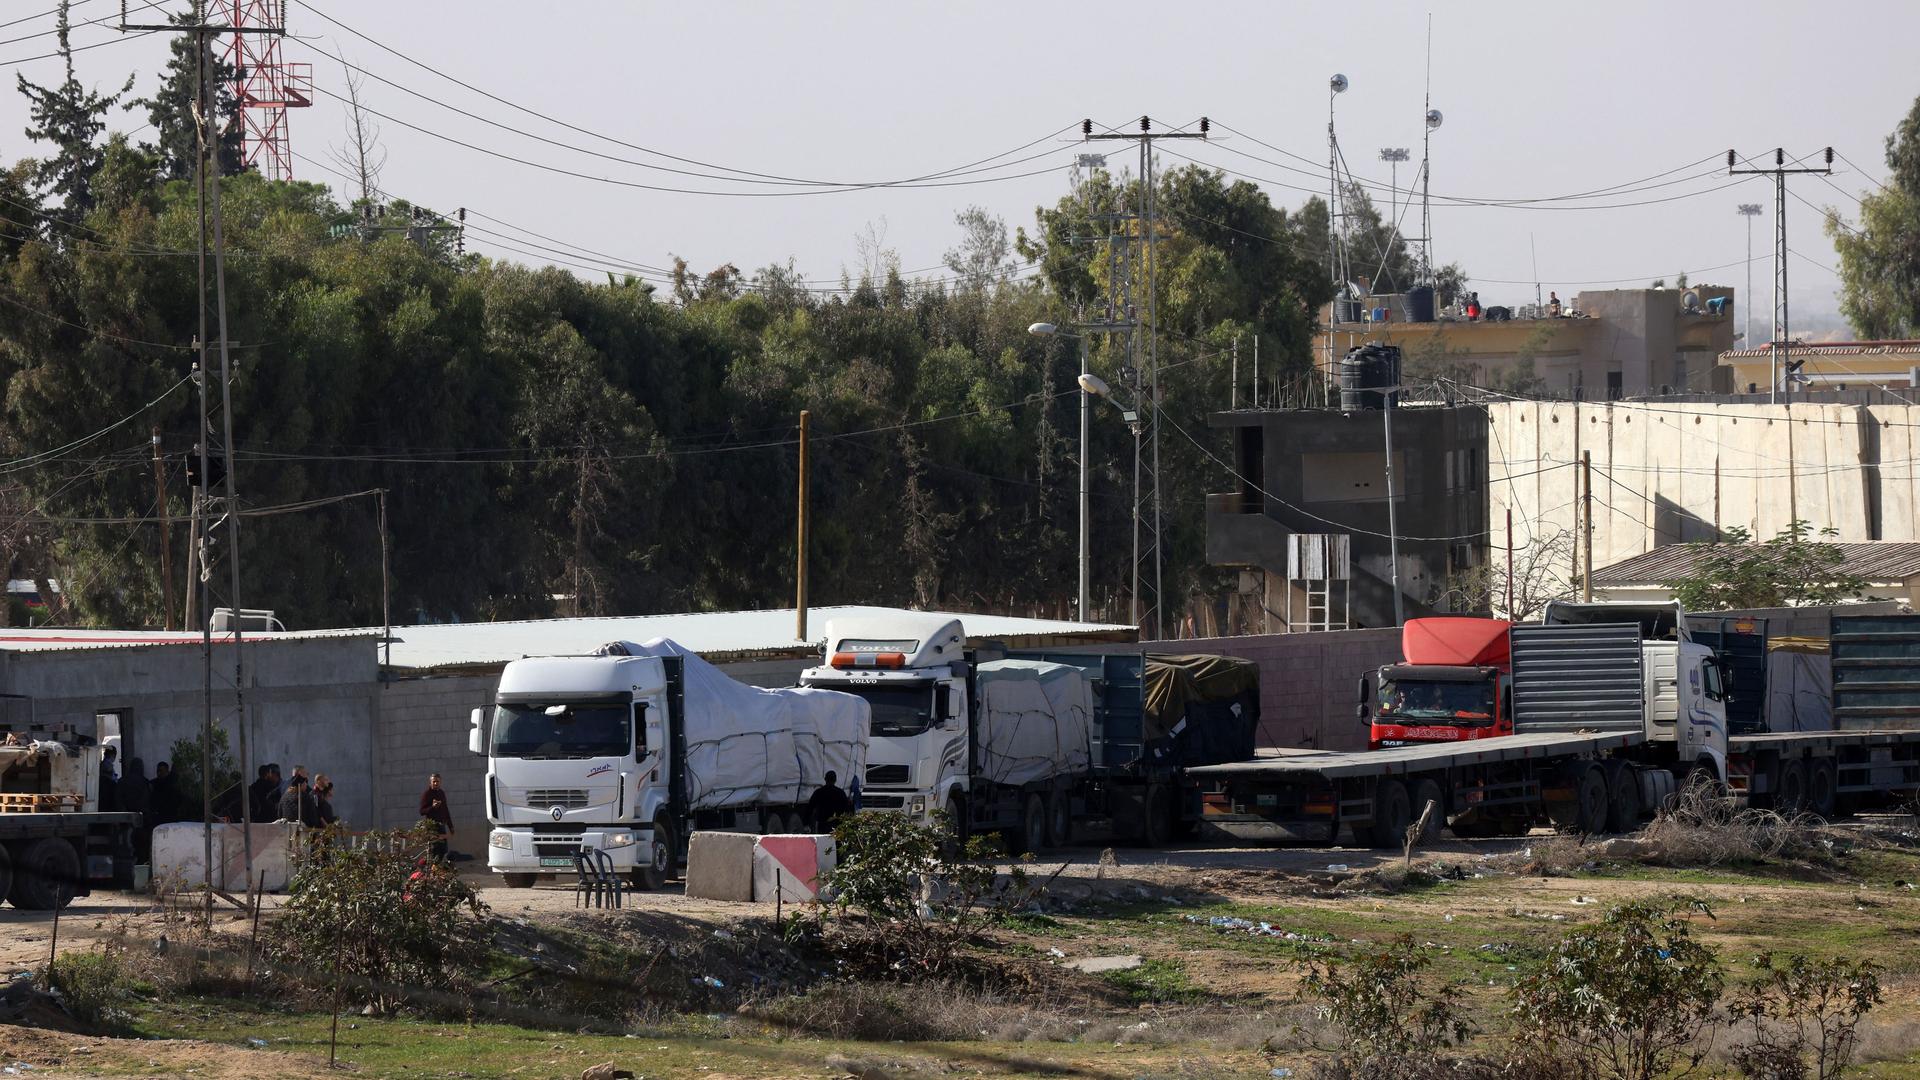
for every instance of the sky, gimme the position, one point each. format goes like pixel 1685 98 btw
pixel 1540 100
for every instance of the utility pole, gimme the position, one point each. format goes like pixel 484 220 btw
pixel 1749 210
pixel 1586 525
pixel 1393 518
pixel 1148 519
pixel 166 528
pixel 227 520
pixel 1780 362
pixel 800 541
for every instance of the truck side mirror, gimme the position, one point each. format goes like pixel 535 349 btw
pixel 1365 690
pixel 476 734
pixel 947 703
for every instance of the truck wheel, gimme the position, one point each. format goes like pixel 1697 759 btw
pixel 1424 792
pixel 1033 823
pixel 520 881
pixel 1790 787
pixel 47 875
pixel 1623 799
pixel 1157 821
pixel 959 826
pixel 659 868
pixel 1392 814
pixel 1591 802
pixel 1821 789
pixel 1059 819
pixel 6 871
pixel 774 823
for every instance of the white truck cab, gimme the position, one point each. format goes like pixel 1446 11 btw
pixel 574 762
pixel 912 670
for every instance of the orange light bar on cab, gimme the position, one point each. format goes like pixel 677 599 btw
pixel 872 660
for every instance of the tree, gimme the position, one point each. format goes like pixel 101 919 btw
pixel 1449 284
pixel 1787 571
pixel 1880 257
pixel 1539 578
pixel 982 257
pixel 170 110
pixel 361 155
pixel 71 118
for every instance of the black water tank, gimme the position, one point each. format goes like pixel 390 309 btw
pixel 1364 373
pixel 1346 311
pixel 1420 303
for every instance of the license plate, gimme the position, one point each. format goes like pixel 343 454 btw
pixel 556 860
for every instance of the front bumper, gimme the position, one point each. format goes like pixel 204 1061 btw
pixel 520 850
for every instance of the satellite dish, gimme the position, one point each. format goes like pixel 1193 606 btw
pixel 1690 300
pixel 1433 118
pixel 1338 83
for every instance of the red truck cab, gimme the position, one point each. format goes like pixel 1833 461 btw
pixel 1454 684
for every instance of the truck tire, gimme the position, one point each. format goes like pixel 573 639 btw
pixel 1059 819
pixel 1033 824
pixel 959 825
pixel 46 875
pixel 659 867
pixel 1790 787
pixel 520 881
pixel 1623 798
pixel 1392 814
pixel 6 871
pixel 1424 792
pixel 1156 817
pixel 1591 802
pixel 1822 790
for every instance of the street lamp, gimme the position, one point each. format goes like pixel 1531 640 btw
pixel 1749 210
pixel 1394 155
pixel 1046 329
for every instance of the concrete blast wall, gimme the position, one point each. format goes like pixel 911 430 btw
pixel 1673 472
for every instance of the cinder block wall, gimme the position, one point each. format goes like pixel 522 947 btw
pixel 1308 682
pixel 423 730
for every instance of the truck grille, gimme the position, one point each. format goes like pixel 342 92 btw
pixel 570 798
pixel 886 774
pixel 882 802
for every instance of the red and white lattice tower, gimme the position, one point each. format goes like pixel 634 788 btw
pixel 265 86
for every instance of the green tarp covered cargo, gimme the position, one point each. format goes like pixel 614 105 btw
pixel 1201 710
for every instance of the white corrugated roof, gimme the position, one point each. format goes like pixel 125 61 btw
pixel 442 645
pixel 57 638
pixel 712 633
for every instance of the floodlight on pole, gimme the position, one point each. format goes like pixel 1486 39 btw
pixel 1043 329
pixel 1393 156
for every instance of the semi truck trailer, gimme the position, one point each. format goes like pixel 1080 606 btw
pixel 627 751
pixel 1044 748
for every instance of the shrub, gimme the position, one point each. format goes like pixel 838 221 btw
pixel 382 913
pixel 1629 996
pixel 1803 1017
pixel 92 985
pixel 922 900
pixel 1383 1008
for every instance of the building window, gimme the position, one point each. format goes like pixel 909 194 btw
pixel 1613 386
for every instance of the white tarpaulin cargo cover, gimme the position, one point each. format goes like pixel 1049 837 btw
pixel 749 746
pixel 1035 721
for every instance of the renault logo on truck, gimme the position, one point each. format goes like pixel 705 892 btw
pixel 557 812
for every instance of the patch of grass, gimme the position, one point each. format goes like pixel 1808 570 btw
pixel 1156 982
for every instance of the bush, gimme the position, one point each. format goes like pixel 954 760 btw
pixel 1629 996
pixel 1384 1009
pixel 382 913
pixel 1704 828
pixel 92 985
pixel 922 901
pixel 1803 1017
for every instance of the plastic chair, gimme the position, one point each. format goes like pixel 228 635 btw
pixel 598 885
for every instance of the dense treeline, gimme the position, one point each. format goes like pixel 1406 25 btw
pixel 553 444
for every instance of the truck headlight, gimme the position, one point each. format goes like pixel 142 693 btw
pixel 919 804
pixel 619 840
pixel 501 839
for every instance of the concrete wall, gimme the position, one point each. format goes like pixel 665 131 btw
pixel 423 730
pixel 309 702
pixel 1308 682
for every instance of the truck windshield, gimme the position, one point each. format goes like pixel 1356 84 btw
pixel 897 710
pixel 574 730
pixel 1436 700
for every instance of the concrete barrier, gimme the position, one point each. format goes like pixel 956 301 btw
pixel 179 855
pixel 720 865
pixel 791 866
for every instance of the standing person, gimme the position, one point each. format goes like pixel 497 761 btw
pixel 828 805
pixel 263 795
pixel 135 796
pixel 297 804
pixel 1553 305
pixel 161 796
pixel 109 787
pixel 323 799
pixel 434 808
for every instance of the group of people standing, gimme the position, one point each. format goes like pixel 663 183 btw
pixel 300 798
